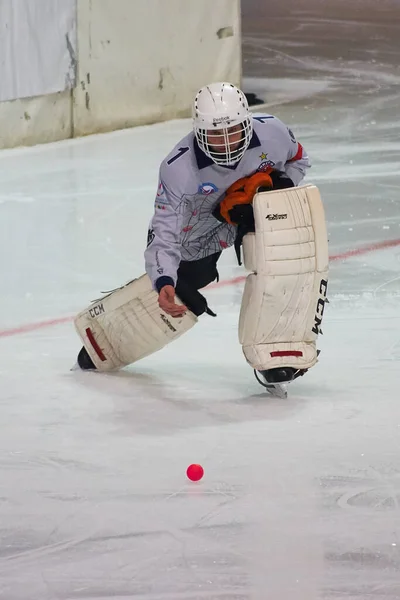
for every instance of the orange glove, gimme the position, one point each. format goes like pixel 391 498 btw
pixel 242 192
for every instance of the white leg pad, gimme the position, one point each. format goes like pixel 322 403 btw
pixel 284 296
pixel 127 325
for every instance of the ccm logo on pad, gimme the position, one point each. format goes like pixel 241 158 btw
pixel 275 217
pixel 319 311
pixel 96 311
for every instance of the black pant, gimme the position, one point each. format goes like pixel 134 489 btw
pixel 194 275
pixel 199 273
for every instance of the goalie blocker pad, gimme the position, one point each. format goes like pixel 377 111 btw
pixel 284 296
pixel 127 325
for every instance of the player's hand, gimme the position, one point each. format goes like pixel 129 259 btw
pixel 166 301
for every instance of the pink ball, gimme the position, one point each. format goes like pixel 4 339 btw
pixel 195 472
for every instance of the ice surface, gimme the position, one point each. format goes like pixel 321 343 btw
pixel 300 498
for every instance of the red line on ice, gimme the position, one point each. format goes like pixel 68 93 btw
pixel 33 326
pixel 239 279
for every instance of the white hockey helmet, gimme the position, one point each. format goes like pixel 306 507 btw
pixel 222 108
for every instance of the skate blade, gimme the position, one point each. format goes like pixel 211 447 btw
pixel 277 390
pixel 76 367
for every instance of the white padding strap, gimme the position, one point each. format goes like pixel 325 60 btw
pixel 284 297
pixel 127 325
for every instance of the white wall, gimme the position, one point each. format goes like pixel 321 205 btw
pixel 139 61
pixel 35 120
pixel 144 61
pixel 37 47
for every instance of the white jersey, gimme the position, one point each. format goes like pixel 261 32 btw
pixel 191 185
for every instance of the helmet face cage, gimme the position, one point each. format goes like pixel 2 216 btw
pixel 222 122
pixel 223 151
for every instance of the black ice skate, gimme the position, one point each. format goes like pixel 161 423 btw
pixel 279 375
pixel 84 360
pixel 275 380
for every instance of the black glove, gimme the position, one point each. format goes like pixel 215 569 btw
pixel 280 180
pixel 242 214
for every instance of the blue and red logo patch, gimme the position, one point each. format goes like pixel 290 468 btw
pixel 207 188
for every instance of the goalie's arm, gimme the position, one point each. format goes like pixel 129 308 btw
pixel 163 252
pixel 298 161
pixel 297 165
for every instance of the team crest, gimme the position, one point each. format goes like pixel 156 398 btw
pixel 267 164
pixel 207 188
